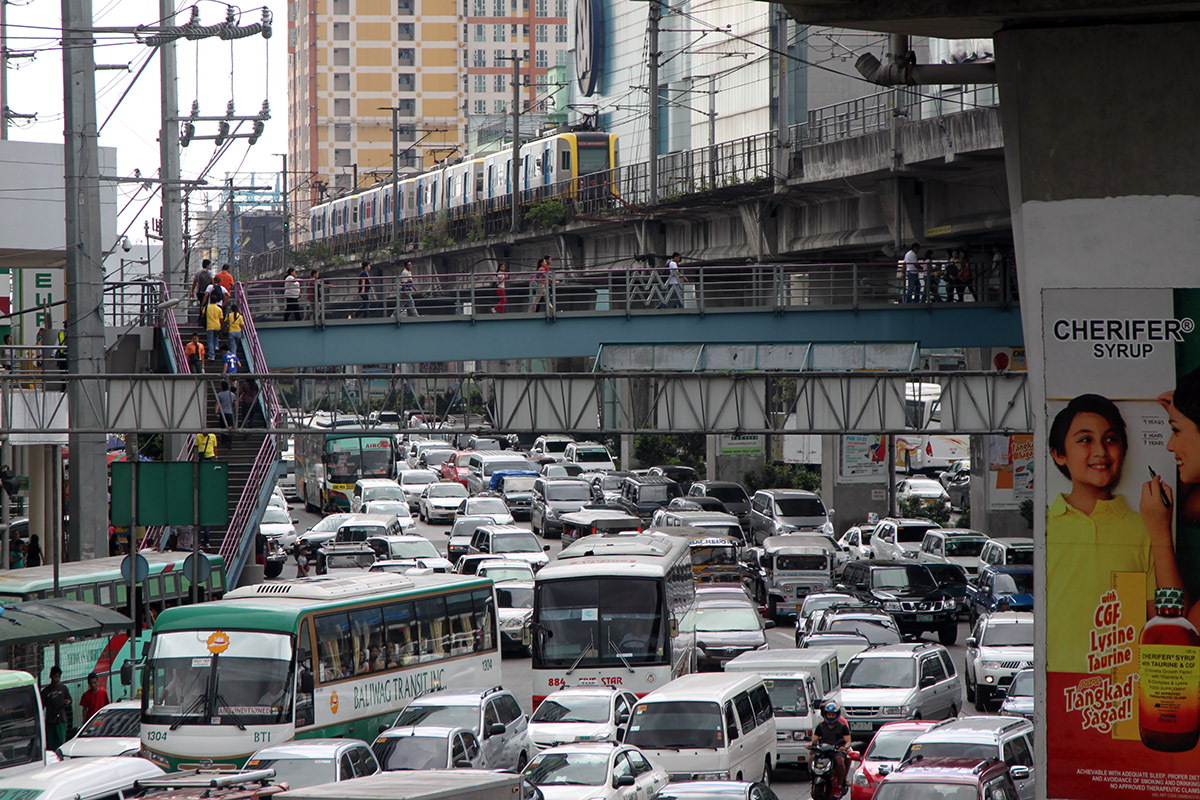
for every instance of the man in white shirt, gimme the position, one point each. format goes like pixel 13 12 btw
pixel 291 294
pixel 912 280
pixel 674 295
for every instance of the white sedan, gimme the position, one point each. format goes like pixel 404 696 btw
pixel 928 491
pixel 277 525
pixel 397 507
pixel 441 500
pixel 595 772
pixel 112 731
pixel 488 506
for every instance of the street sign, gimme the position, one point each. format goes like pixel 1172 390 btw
pixel 141 570
pixel 196 570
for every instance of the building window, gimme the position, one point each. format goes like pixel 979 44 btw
pixel 525 56
pixel 525 32
pixel 560 33
pixel 405 132
pixel 406 107
pixel 405 31
pixel 479 58
pixel 341 56
pixel 341 82
pixel 540 8
pixel 404 8
pixel 541 33
pixel 543 59
pixel 341 157
pixel 341 107
pixel 481 106
pixel 560 8
pixel 341 31
pixel 342 181
pixel 341 6
pixel 499 83
pixel 499 107
pixel 406 56
pixel 480 33
pixel 341 133
pixel 498 33
pixel 560 58
pixel 526 105
pixel 497 58
pixel 406 81
pixel 480 8
pixel 480 84
pixel 499 9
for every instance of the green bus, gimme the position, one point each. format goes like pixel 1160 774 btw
pixel 327 464
pixel 22 742
pixel 99 582
pixel 335 656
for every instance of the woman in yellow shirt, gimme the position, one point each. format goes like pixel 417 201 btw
pixel 233 323
pixel 213 317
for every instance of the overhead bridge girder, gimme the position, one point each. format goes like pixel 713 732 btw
pixel 582 403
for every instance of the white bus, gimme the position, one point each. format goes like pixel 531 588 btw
pixel 933 452
pixel 614 610
pixel 309 658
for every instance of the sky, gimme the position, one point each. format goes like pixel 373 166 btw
pixel 210 70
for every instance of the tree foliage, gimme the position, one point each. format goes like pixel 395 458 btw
pixel 782 476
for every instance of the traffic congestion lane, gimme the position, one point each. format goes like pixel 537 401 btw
pixel 790 784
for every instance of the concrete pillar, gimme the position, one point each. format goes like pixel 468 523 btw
pixel 1104 186
pixel 37 491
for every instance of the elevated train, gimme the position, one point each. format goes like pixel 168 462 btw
pixel 556 165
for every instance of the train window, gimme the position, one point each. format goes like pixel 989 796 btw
pixel 566 160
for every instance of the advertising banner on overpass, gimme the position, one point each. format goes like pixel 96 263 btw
pixel 1122 543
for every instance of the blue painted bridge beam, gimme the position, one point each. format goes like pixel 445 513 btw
pixel 383 341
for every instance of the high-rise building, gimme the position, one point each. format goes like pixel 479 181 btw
pixel 349 63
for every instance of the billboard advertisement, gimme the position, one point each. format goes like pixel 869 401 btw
pixel 1122 542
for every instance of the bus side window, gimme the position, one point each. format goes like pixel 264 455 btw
pixel 431 614
pixel 460 609
pixel 304 700
pixel 336 649
pixel 403 640
pixel 366 625
pixel 485 620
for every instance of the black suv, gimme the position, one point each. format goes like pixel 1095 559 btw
pixel 642 495
pixel 908 592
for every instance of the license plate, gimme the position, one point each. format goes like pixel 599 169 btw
pixel 924 618
pixel 860 726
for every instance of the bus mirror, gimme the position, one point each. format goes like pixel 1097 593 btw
pixel 526 638
pixel 127 673
pixel 674 627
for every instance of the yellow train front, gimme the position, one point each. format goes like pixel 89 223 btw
pixel 578 165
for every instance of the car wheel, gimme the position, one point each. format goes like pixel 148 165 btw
pixel 970 685
pixel 981 698
pixel 948 634
pixel 522 760
pixel 772 609
pixel 534 528
pixel 273 569
pixel 766 778
pixel 953 711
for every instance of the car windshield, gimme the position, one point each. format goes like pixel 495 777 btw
pixel 514 597
pixel 658 492
pixel 727 618
pixel 384 493
pixel 433 714
pixel 447 489
pixel 568 769
pixel 902 577
pixel 515 543
pixel 465 526
pixel 276 516
pixel 611 482
pixel 1014 583
pixel 964 547
pixel 925 488
pixel 491 467
pixel 113 722
pixel 878 673
pixel 873 632
pixel 913 532
pixel 592 455
pixel 787 696
pixel 413 548
pixel 411 752
pixel 421 478
pixel 434 458
pixel 947 573
pixel 1022 556
pixel 675 725
pixel 801 563
pixel 507 573
pixel 912 790
pixel 727 494
pixel 1022 685
pixel 518 483
pixel 556 445
pixel 573 708
pixel 956 749
pixel 800 507
pixel 817 602
pixel 709 555
pixel 568 493
pixel 1008 634
pixel 329 524
pixel 357 533
pixel 486 505
pixel 298 773
pixel 890 745
pixel 349 560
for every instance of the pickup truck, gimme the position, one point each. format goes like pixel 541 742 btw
pixel 994 583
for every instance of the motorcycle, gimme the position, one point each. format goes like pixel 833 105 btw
pixel 825 783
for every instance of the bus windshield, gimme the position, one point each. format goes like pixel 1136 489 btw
pixel 218 678
pixel 20 727
pixel 711 555
pixel 600 621
pixel 353 457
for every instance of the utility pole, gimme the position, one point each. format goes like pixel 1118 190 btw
pixel 516 143
pixel 168 155
pixel 84 276
pixel 4 135
pixel 783 118
pixel 286 218
pixel 232 211
pixel 655 17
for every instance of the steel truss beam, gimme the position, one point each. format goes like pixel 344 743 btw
pixel 33 410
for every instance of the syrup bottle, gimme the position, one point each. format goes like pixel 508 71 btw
pixel 1169 677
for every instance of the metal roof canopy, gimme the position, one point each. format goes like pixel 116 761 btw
pixel 788 356
pixel 56 619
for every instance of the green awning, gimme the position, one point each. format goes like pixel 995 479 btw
pixel 55 619
pixel 19 627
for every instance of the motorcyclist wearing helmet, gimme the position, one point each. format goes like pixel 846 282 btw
pixel 833 730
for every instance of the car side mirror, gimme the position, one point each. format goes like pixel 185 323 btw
pixel 622 719
pixel 854 755
pixel 127 673
pixel 884 769
pixel 624 780
pixel 768 624
pixel 674 627
pixel 546 548
pixel 862 587
pixel 447 533
pixel 496 729
pixel 972 641
pixel 927 681
pixel 1019 772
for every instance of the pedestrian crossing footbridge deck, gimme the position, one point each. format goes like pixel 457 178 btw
pixel 347 321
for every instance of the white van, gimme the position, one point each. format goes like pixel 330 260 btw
pixel 590 456
pixel 368 489
pixel 708 726
pixel 797 705
pixel 820 662
pixel 81 779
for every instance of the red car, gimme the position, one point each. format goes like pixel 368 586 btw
pixel 454 468
pixel 885 750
